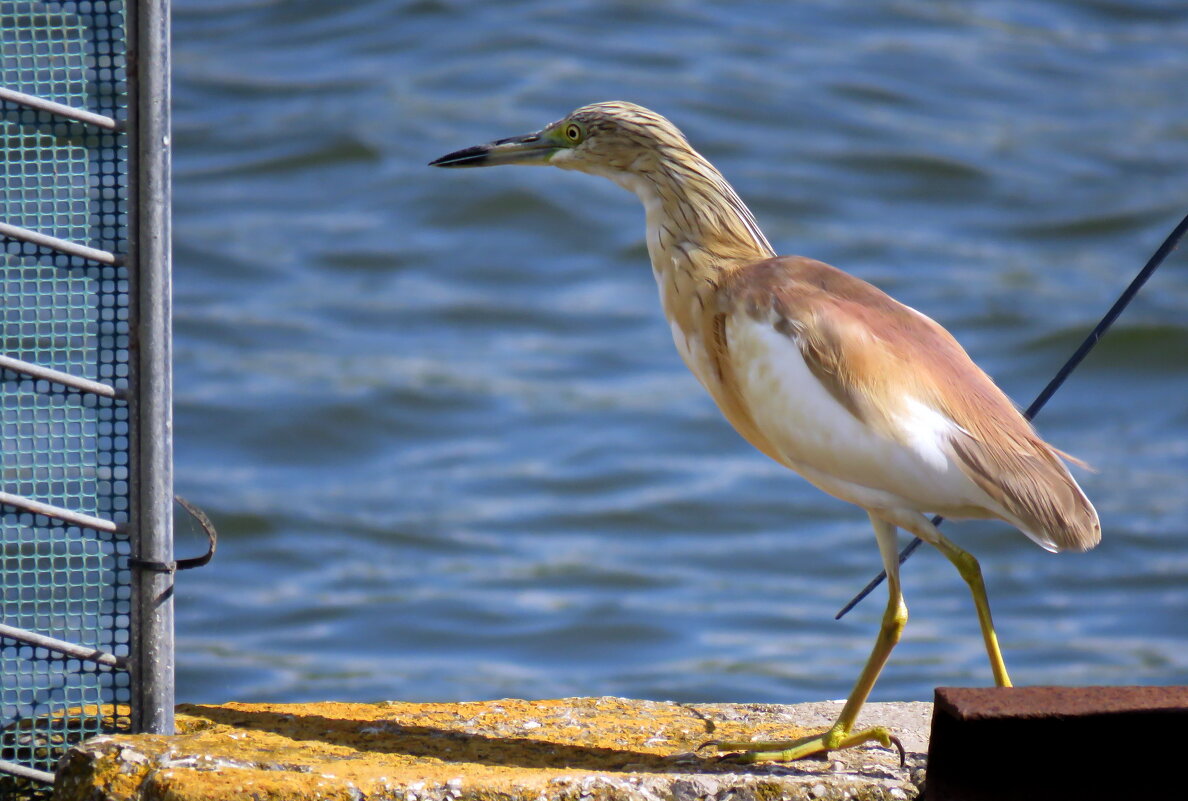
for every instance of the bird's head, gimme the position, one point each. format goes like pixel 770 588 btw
pixel 612 139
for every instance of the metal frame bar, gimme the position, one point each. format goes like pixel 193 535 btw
pixel 25 772
pixel 151 655
pixel 60 245
pixel 36 371
pixel 62 647
pixel 60 109
pixel 58 513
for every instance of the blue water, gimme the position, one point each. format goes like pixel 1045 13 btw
pixel 438 417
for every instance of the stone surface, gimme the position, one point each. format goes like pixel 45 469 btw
pixel 578 749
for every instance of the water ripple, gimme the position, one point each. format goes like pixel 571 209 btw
pixel 438 416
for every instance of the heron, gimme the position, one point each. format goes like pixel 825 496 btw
pixel 865 397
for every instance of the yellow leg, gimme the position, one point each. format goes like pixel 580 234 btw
pixel 842 734
pixel 971 571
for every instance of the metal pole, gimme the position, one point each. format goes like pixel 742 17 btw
pixel 151 408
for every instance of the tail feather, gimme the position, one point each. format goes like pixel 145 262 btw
pixel 1035 488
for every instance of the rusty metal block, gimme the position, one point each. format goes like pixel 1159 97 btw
pixel 1054 743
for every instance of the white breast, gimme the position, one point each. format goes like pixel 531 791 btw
pixel 820 438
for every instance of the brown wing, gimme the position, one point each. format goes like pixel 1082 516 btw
pixel 872 353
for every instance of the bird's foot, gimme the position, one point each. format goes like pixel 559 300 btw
pixel 791 750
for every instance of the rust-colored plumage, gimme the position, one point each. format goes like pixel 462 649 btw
pixel 866 398
pixel 872 353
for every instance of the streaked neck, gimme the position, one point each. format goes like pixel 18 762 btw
pixel 696 221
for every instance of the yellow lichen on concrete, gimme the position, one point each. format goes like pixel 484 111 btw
pixel 509 750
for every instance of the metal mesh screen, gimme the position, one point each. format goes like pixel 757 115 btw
pixel 60 446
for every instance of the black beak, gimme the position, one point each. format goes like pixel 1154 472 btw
pixel 467 157
pixel 531 148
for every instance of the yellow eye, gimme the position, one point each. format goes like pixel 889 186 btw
pixel 573 132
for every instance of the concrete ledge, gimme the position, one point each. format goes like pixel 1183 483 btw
pixel 576 749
